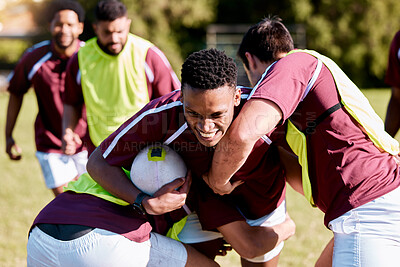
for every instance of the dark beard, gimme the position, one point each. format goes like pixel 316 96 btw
pixel 106 50
pixel 60 44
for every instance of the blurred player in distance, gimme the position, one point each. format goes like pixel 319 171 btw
pixel 43 67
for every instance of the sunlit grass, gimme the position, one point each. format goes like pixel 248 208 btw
pixel 22 189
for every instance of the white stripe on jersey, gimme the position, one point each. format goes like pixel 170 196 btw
pixel 262 78
pixel 309 85
pixel 266 139
pixel 38 64
pixel 35 46
pixel 135 121
pixel 243 87
pixel 175 78
pixel 176 134
pixel 9 77
pixel 243 96
pixel 78 77
pixel 149 73
pixel 398 54
pixel 166 62
pixel 313 79
pixel 161 55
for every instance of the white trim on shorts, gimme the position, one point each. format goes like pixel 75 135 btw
pixel 104 248
pixel 59 169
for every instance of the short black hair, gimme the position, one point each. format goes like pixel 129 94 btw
pixel 266 40
pixel 109 10
pixel 209 69
pixel 58 5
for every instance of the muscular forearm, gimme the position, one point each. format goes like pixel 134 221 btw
pixel 257 118
pixel 230 155
pixel 111 178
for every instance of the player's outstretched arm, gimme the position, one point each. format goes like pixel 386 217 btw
pixel 14 107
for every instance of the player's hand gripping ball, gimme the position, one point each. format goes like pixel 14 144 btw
pixel 156 166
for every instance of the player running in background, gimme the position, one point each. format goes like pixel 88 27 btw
pixel 43 67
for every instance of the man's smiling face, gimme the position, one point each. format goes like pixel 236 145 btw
pixel 209 112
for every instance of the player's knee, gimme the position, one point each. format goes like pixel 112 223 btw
pixel 250 250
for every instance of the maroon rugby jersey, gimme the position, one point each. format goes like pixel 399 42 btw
pixel 162 121
pixel 84 209
pixel 44 69
pixel 160 78
pixel 392 77
pixel 346 169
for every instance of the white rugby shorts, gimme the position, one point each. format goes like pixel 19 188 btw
pixel 59 169
pixel 104 248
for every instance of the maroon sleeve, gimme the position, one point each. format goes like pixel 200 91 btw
pixel 73 90
pixel 18 79
pixel 161 79
pixel 148 126
pixel 392 77
pixel 286 81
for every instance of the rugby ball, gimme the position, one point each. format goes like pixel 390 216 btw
pixel 156 166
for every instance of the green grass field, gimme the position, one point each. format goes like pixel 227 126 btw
pixel 23 194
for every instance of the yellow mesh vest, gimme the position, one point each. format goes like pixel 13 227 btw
pixel 86 185
pixel 358 107
pixel 297 142
pixel 174 231
pixel 114 87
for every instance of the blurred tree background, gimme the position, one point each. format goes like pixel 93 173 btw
pixel 354 33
